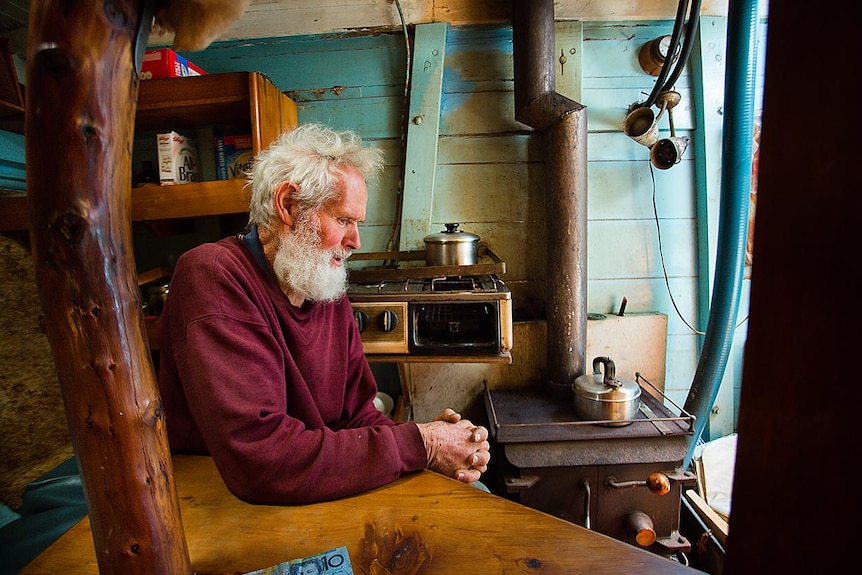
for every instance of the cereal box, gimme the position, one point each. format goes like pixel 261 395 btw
pixel 178 159
pixel 234 156
pixel 165 63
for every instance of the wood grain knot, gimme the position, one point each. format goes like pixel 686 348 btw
pixel 115 15
pixel 393 553
pixel 71 227
pixel 153 413
pixel 53 58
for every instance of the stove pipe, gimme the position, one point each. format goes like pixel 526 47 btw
pixel 563 124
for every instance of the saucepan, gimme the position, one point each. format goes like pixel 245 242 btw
pixel 451 247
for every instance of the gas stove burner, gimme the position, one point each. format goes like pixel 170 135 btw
pixel 400 266
pixel 475 284
pixel 459 283
pixel 371 287
pixel 462 285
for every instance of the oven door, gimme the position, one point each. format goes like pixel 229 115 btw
pixel 453 327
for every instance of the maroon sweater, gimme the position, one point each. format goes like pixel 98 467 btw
pixel 280 396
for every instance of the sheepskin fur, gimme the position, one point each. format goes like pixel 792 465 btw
pixel 196 23
pixel 34 434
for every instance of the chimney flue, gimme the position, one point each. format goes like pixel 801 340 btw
pixel 563 124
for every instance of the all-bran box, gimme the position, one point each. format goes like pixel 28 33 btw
pixel 234 156
pixel 178 159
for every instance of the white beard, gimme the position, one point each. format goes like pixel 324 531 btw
pixel 305 268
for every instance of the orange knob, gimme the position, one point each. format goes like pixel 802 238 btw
pixel 658 483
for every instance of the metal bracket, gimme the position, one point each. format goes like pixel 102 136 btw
pixel 145 24
pixel 518 484
pixel 674 543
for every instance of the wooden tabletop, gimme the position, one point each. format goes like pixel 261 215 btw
pixel 423 523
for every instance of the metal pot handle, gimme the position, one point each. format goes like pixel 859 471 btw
pixel 610 371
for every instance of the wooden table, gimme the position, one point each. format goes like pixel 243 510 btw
pixel 437 524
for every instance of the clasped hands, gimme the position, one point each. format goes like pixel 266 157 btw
pixel 455 447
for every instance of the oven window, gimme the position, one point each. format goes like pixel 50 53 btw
pixel 450 327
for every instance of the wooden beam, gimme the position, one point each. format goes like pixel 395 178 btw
pixel 423 128
pixel 81 100
pixel 780 523
pixel 720 528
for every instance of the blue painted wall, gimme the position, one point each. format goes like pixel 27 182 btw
pixel 645 226
pixel 489 169
pixel 12 168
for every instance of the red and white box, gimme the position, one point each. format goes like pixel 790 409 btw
pixel 165 63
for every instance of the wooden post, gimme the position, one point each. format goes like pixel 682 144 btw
pixel 81 101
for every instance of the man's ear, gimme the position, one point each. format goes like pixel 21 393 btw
pixel 285 204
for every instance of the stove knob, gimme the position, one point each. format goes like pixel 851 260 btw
pixel 361 319
pixel 387 320
pixel 658 483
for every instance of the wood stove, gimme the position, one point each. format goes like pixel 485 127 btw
pixel 623 481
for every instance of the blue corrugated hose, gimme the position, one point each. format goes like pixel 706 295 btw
pixel 739 87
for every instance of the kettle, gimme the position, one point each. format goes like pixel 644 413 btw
pixel 601 397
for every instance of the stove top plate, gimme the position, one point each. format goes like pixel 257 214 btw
pixel 530 415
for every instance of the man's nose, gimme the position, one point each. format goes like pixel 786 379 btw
pixel 351 237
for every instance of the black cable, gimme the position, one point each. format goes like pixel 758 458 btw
pixel 674 44
pixel 661 257
pixel 687 45
pixel 404 113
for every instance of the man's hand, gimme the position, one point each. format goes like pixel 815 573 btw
pixel 455 447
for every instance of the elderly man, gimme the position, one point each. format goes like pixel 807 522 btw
pixel 261 362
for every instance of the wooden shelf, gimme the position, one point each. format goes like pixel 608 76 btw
pixel 245 101
pixel 13 211
pixel 11 96
pixel 11 117
pixel 153 202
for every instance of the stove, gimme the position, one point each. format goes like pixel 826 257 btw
pixel 406 309
pixel 623 481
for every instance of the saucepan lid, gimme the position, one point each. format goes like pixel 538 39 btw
pixel 452 235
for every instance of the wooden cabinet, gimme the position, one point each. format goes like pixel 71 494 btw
pixel 11 117
pixel 11 97
pixel 246 102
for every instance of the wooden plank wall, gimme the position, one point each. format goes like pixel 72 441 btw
pixel 12 170
pixel 276 18
pixel 489 169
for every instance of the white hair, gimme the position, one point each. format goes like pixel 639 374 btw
pixel 313 158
